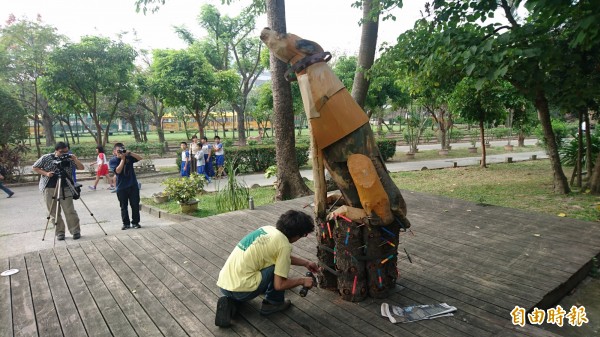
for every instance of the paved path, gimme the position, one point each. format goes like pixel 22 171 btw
pixel 23 217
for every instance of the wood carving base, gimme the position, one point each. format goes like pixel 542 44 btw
pixel 358 260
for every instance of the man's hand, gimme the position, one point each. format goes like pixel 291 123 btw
pixel 312 267
pixel 308 282
pixel 49 174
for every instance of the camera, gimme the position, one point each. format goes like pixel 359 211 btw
pixel 62 161
pixel 121 150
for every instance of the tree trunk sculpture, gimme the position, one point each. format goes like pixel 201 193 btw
pixel 350 249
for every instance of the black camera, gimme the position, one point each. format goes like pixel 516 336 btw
pixel 62 161
pixel 121 150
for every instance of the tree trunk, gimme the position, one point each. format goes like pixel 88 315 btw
pixel 47 123
pixel 579 163
pixel 290 184
pixel 521 139
pixel 595 177
pixel 241 116
pixel 366 52
pixel 483 151
pixel 588 146
pixel 561 185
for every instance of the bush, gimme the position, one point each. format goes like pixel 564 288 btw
pixel 560 129
pixel 428 135
pixel 387 148
pixel 500 133
pixel 456 135
pixel 184 189
pixel 568 153
pixel 259 158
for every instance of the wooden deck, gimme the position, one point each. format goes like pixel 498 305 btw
pixel 161 281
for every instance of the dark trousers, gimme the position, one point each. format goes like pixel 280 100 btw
pixel 266 286
pixel 129 195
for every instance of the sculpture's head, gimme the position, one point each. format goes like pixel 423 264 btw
pixel 289 48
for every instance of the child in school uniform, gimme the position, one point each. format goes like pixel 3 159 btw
pixel 200 164
pixel 185 160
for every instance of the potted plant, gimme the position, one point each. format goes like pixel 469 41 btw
pixel 160 197
pixel 184 191
pixel 473 134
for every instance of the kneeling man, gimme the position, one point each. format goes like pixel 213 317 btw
pixel 260 263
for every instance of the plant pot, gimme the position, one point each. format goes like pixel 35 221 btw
pixel 410 155
pixel 473 149
pixel 189 206
pixel 508 147
pixel 160 199
pixel 488 145
pixel 443 152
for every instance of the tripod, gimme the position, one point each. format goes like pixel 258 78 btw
pixel 58 194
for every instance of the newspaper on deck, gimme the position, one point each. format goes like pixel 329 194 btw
pixel 416 312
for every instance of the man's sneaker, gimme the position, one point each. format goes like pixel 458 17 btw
pixel 60 236
pixel 11 194
pixel 226 308
pixel 76 236
pixel 114 191
pixel 136 225
pixel 270 308
pixel 111 187
pixel 93 188
pixel 125 227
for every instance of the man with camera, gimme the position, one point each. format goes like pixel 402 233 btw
pixel 52 166
pixel 128 191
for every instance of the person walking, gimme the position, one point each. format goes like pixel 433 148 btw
pixel 200 164
pixel 128 189
pixel 6 190
pixel 102 168
pixel 48 166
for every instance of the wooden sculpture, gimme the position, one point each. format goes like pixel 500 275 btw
pixel 350 249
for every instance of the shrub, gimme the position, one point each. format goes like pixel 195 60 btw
pixel 500 133
pixel 568 153
pixel 456 135
pixel 428 135
pixel 259 158
pixel 560 129
pixel 183 189
pixel 235 194
pixel 387 148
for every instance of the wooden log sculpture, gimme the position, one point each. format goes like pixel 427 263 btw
pixel 343 143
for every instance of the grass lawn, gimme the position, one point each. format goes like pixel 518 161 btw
pixel 462 153
pixel 207 203
pixel 523 185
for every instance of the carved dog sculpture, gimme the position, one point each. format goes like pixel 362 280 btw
pixel 341 131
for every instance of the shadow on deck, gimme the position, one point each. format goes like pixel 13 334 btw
pixel 161 281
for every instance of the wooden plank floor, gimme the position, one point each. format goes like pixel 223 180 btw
pixel 161 281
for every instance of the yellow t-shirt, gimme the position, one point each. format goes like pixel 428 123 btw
pixel 259 249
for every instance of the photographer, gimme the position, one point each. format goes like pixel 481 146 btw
pixel 128 190
pixel 50 166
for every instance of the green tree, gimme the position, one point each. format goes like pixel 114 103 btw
pixel 229 45
pixel 13 120
pixel 93 77
pixel 185 78
pixel 481 106
pixel 26 46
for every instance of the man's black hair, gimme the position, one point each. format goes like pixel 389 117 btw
pixel 100 149
pixel 295 223
pixel 217 137
pixel 194 137
pixel 204 137
pixel 118 145
pixel 184 143
pixel 60 146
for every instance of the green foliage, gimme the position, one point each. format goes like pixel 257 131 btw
pixel 259 158
pixel 227 142
pixel 456 135
pixel 428 135
pixel 500 133
pixel 271 171
pixel 183 189
pixel 560 129
pixel 11 157
pixel 387 148
pixel 568 152
pixel 235 194
pixel 13 120
pixel 93 77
